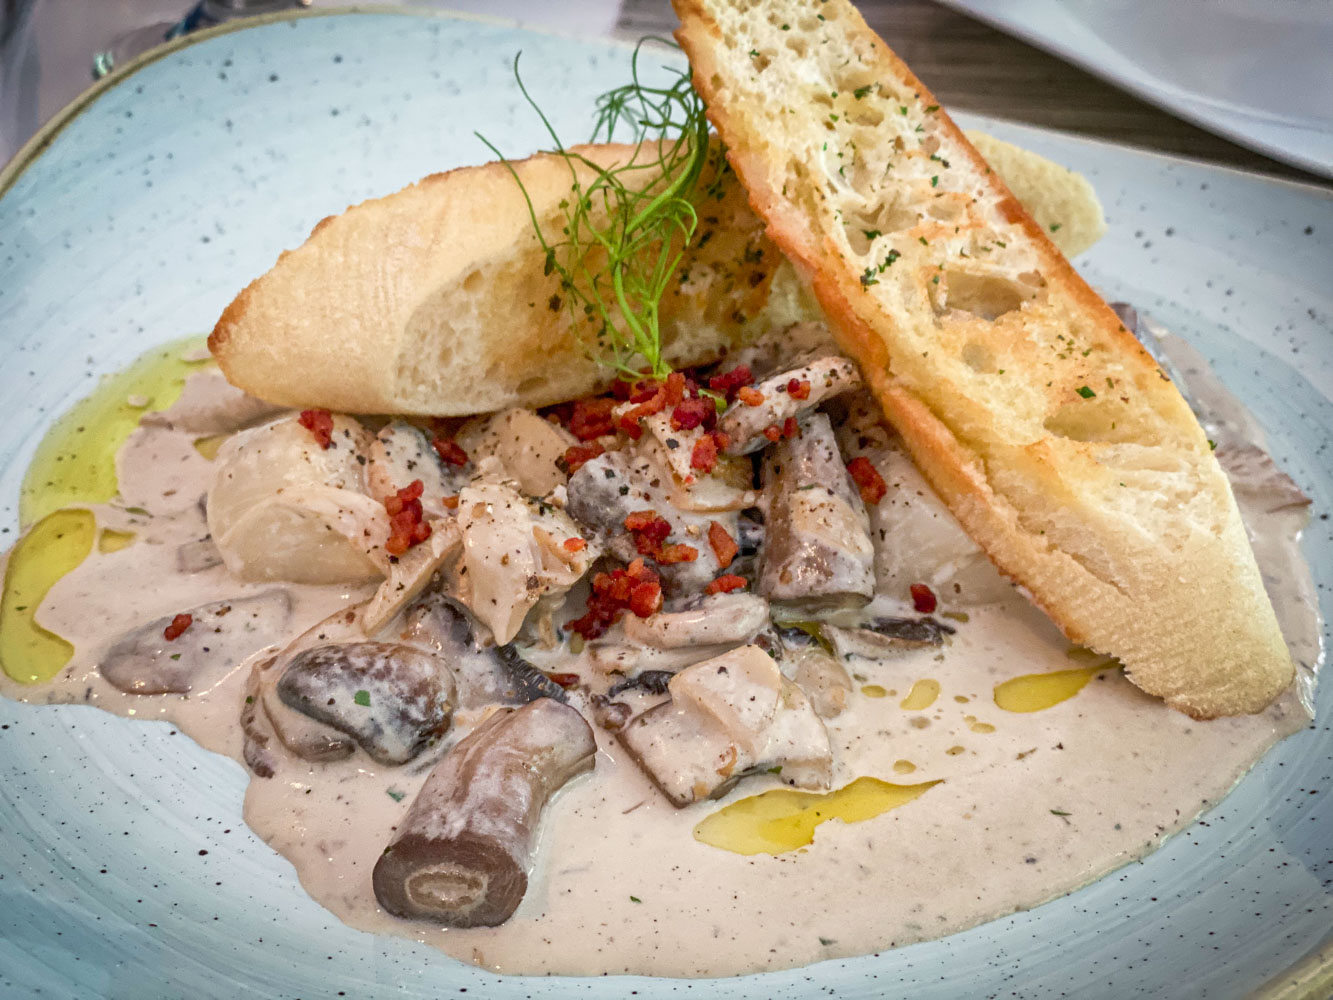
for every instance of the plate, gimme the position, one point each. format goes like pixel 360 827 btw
pixel 1255 71
pixel 125 868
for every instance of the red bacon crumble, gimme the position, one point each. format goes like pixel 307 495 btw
pixel 724 546
pixel 788 429
pixel 178 626
pixel 750 396
pixel 923 599
pixel 564 680
pixel 406 524
pixel 678 553
pixel 320 425
pixel 636 588
pixel 575 544
pixel 591 418
pixel 694 412
pixel 577 455
pixel 449 451
pixel 867 479
pixel 728 383
pixel 704 455
pixel 650 532
pixel 773 432
pixel 798 388
pixel 725 584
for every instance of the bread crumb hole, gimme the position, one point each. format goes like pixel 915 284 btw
pixel 979 357
pixel 986 296
pixel 472 283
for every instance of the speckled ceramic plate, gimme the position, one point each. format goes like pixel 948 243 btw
pixel 125 868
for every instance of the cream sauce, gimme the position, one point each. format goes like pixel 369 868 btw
pixel 1029 805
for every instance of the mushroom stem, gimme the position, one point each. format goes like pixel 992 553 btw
pixel 462 853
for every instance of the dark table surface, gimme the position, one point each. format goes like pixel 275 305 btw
pixel 971 66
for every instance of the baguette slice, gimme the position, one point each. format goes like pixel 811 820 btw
pixel 433 300
pixel 1051 434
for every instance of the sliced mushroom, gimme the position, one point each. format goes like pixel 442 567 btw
pixel 515 554
pixel 744 424
pixel 410 574
pixel 916 537
pixel 728 717
pixel 719 619
pixel 526 446
pixel 390 698
pixel 610 487
pixel 220 636
pixel 462 853
pixel 817 549
pixel 486 674
pixel 885 637
pixel 402 453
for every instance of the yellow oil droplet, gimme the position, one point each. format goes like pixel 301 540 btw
pixel 1035 692
pixel 111 540
pixel 958 616
pixel 55 545
pixel 962 699
pixel 981 727
pixel 873 691
pixel 922 695
pixel 954 751
pixel 903 766
pixel 208 446
pixel 1087 657
pixel 784 820
pixel 76 460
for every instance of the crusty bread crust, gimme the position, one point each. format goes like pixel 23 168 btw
pixel 1040 421
pixel 433 300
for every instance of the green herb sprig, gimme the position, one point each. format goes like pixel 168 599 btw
pixel 625 227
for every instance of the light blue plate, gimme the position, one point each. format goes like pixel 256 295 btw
pixel 140 212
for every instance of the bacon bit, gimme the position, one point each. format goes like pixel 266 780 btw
pixel 724 546
pixel 449 451
pixel 564 680
pixel 591 418
pixel 575 544
pixel 725 584
pixel 923 599
pixel 180 623
pixel 798 388
pixel 406 524
pixel 450 502
pixel 692 413
pixel 678 553
pixel 750 396
pixel 637 589
pixel 577 455
pixel 649 532
pixel 790 428
pixel 867 479
pixel 728 383
pixel 675 386
pixel 773 432
pixel 320 425
pixel 704 455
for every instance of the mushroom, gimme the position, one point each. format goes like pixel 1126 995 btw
pixel 817 549
pixel 391 699
pixel 219 636
pixel 515 555
pixel 524 444
pixel 461 855
pixel 610 487
pixel 744 424
pixel 883 637
pixel 808 662
pixel 486 674
pixel 728 717
pixel 916 537
pixel 718 619
pixel 401 454
pixel 410 574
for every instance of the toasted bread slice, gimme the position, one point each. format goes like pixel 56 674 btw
pixel 433 300
pixel 1051 434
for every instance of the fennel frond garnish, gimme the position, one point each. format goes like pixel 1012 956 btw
pixel 624 228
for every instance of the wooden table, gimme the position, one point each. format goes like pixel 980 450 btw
pixel 973 67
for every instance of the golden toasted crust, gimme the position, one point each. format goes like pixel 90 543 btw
pixel 1036 416
pixel 433 300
